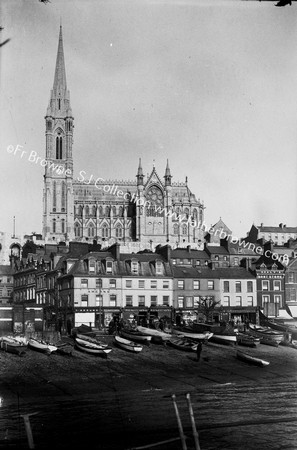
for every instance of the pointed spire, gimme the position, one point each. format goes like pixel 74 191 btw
pixel 60 85
pixel 167 175
pixel 139 175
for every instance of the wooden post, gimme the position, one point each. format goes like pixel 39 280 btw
pixel 180 427
pixel 28 429
pixel 195 433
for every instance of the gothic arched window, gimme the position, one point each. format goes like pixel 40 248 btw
pixel 107 211
pixel 63 225
pixel 120 211
pixel 114 210
pixel 105 232
pixel 87 211
pixel 63 197
pixel 91 230
pixel 186 212
pixel 118 231
pixel 175 228
pixel 76 229
pixel 100 211
pixel 200 215
pixel 94 211
pixel 54 196
pixel 59 143
pixel 185 229
pixel 54 225
pixel 195 214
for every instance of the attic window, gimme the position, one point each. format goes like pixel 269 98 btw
pixel 134 267
pixel 159 268
pixel 108 266
pixel 92 266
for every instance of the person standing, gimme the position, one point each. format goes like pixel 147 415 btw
pixel 199 350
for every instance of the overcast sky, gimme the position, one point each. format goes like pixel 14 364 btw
pixel 209 84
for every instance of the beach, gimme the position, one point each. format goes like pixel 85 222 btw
pixel 125 400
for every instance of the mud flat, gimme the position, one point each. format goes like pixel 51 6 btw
pixel 125 400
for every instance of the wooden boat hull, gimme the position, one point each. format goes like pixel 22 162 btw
pixel 137 337
pixel 247 341
pixel 182 344
pixel 195 336
pixel 224 339
pixel 125 344
pixel 41 346
pixel 266 335
pixel 92 348
pixel 12 347
pixel 152 332
pixel 65 349
pixel 251 359
pixel 91 340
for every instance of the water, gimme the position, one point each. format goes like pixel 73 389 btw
pixel 231 416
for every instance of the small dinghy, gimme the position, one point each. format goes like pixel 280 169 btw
pixel 127 345
pixel 195 336
pixel 154 333
pixel 182 344
pixel 93 348
pixel 251 359
pixel 267 335
pixel 247 340
pixel 41 346
pixel 11 345
pixel 227 339
pixel 135 335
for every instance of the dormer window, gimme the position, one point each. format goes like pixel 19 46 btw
pixel 159 268
pixel 108 266
pixel 134 267
pixel 92 266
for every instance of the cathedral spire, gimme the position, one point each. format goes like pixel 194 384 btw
pixel 60 84
pixel 167 175
pixel 59 105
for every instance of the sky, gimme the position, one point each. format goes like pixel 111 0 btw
pixel 210 85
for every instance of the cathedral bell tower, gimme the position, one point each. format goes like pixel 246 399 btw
pixel 58 177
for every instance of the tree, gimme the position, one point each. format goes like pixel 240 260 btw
pixel 206 306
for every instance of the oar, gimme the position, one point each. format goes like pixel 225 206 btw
pixel 195 433
pixel 180 427
pixel 28 428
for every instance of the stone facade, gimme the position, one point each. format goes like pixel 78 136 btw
pixel 139 214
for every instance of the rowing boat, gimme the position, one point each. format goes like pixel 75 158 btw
pixel 152 332
pixel 247 340
pixel 227 339
pixel 135 335
pixel 11 345
pixel 127 345
pixel 91 339
pixel 182 344
pixel 195 336
pixel 92 348
pixel 251 359
pixel 41 346
pixel 267 335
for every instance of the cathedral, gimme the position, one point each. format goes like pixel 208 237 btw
pixel 138 214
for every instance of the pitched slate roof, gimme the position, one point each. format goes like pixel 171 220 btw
pixel 219 273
